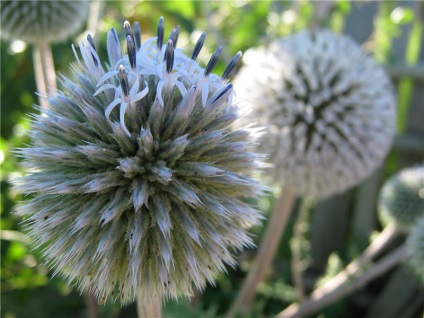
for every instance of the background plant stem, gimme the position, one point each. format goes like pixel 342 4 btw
pixel 266 252
pixel 296 248
pixel 149 308
pixel 352 277
pixel 45 76
pixel 91 301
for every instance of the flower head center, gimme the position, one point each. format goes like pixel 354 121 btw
pixel 152 171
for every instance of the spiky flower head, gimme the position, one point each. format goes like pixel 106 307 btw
pixel 136 175
pixel 52 21
pixel 415 249
pixel 329 110
pixel 401 198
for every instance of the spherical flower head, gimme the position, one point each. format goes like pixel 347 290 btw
pixel 136 174
pixel 51 21
pixel 401 198
pixel 415 249
pixel 328 108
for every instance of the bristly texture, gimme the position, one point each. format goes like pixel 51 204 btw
pixel 53 21
pixel 402 198
pixel 136 175
pixel 329 110
pixel 415 249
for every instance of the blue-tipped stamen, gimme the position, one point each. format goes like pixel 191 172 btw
pixel 212 62
pixel 115 35
pixel 222 93
pixel 131 51
pixel 169 56
pixel 113 49
pixel 231 66
pixel 160 33
pixel 90 40
pixel 174 35
pixel 123 79
pixel 128 29
pixel 198 46
pixel 137 35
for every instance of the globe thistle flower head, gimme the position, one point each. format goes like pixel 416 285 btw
pixel 52 21
pixel 328 108
pixel 401 198
pixel 136 174
pixel 415 249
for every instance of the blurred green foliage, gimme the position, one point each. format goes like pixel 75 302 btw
pixel 26 284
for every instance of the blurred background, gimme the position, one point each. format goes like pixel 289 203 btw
pixel 331 233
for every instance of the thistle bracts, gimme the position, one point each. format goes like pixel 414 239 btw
pixel 401 198
pixel 328 108
pixel 136 174
pixel 33 20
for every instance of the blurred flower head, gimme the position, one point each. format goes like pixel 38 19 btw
pixel 401 198
pixel 52 21
pixel 415 249
pixel 328 108
pixel 136 175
